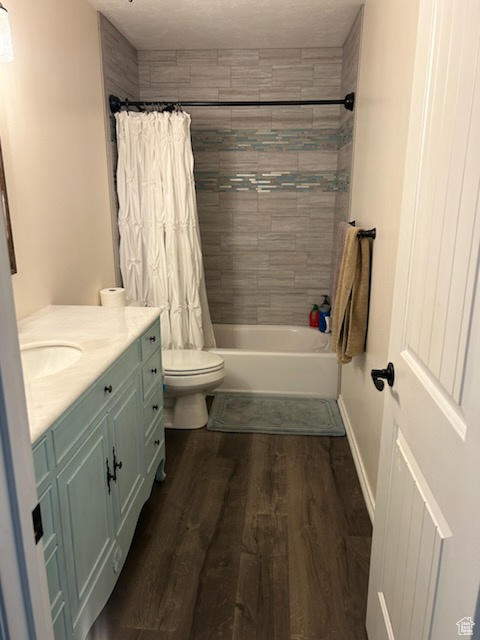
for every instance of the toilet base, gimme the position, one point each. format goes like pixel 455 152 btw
pixel 190 412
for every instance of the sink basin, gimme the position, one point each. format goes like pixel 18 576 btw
pixel 42 359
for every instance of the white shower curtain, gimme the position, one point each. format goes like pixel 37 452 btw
pixel 160 252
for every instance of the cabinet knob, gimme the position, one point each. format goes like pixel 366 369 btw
pixel 108 388
pixel 155 407
pixel 157 442
pixel 154 371
pixel 153 338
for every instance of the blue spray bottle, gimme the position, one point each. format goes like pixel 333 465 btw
pixel 324 315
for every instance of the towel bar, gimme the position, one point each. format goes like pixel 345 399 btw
pixel 368 233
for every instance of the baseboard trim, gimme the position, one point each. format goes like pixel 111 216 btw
pixel 362 476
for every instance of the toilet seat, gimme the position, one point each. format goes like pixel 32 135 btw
pixel 189 362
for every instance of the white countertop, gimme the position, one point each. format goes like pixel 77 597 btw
pixel 103 333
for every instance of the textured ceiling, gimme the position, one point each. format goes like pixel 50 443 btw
pixel 231 24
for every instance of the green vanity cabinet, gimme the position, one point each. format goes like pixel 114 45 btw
pixel 95 469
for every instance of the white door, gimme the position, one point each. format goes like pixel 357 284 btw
pixel 425 565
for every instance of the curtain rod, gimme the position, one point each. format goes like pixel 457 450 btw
pixel 116 104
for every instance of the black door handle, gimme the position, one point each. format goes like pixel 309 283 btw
pixel 379 375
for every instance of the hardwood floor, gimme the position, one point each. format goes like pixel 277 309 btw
pixel 250 537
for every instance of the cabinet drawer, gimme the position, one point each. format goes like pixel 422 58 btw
pixel 154 446
pixel 150 340
pixel 152 372
pixel 41 461
pixel 76 422
pixel 153 408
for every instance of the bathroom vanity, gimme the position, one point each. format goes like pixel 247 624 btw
pixel 98 444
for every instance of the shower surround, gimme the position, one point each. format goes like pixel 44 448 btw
pixel 272 182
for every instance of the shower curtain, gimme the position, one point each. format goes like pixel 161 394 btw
pixel 160 251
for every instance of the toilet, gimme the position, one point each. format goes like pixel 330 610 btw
pixel 188 376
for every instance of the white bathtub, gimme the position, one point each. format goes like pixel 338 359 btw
pixel 277 359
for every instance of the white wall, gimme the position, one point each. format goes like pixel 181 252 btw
pixel 382 107
pixel 52 127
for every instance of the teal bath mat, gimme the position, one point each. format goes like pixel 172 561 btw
pixel 253 413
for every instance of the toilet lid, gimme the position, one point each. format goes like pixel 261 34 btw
pixel 184 362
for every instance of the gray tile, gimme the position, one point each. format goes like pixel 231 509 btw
pixel 289 224
pixel 208 200
pixel 168 75
pixel 155 94
pixel 198 94
pixel 287 260
pixel 235 241
pixel 220 262
pixel 211 118
pixel 219 296
pixel 239 202
pixel 194 57
pixel 238 161
pixel 276 241
pixel 251 77
pixel 244 280
pixel 277 279
pixel 292 118
pixel 273 315
pixel 292 76
pixel 165 56
pixel 253 299
pixel 218 222
pixel 315 278
pixel 326 116
pixel 251 222
pixel 327 75
pixel 210 243
pixel 239 95
pixel 238 57
pixel 315 202
pixel 290 300
pixel 251 118
pixel 283 93
pixel 280 56
pixel 210 76
pixel 248 260
pixel 279 203
pixel 317 160
pixel 243 315
pixel 206 160
pixel 309 241
pixel 320 259
pixel 322 53
pixel 278 160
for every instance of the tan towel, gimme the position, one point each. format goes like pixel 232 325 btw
pixel 350 315
pixel 339 246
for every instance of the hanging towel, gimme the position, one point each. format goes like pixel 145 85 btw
pixel 350 315
pixel 339 246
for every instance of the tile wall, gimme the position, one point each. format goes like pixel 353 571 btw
pixel 268 179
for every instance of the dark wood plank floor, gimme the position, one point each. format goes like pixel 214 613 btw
pixel 250 537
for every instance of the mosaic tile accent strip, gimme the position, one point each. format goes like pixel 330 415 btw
pixel 265 140
pixel 265 182
pixel 343 182
pixel 345 133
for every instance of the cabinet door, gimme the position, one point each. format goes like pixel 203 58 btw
pixel 87 520
pixel 127 454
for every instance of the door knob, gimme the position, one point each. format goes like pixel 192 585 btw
pixel 379 375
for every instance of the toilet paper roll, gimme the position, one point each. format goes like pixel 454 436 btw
pixel 112 297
